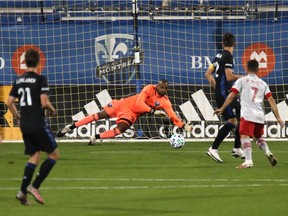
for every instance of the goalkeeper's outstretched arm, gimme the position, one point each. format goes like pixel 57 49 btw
pixel 178 122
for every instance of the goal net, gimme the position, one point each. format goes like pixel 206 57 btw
pixel 96 51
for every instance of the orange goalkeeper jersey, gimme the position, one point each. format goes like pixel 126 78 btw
pixel 149 99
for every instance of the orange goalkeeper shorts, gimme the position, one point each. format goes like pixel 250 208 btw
pixel 121 110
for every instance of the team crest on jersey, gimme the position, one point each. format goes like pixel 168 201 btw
pixel 114 57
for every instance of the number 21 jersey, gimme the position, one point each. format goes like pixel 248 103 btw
pixel 28 88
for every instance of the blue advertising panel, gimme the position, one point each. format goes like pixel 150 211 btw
pixel 180 51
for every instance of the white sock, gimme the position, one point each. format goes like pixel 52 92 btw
pixel 263 145
pixel 247 149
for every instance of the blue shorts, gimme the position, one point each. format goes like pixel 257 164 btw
pixel 231 111
pixel 42 140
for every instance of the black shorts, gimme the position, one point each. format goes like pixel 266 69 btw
pixel 232 111
pixel 42 140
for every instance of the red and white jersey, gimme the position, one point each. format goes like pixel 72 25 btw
pixel 252 91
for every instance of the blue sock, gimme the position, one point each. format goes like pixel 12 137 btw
pixel 28 174
pixel 223 132
pixel 45 168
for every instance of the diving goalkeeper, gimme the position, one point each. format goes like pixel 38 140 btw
pixel 152 99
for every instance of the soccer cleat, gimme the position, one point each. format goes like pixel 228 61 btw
pixel 92 140
pixel 245 165
pixel 238 153
pixel 35 193
pixel 22 198
pixel 272 159
pixel 213 153
pixel 63 131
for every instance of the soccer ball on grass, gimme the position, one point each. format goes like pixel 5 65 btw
pixel 177 141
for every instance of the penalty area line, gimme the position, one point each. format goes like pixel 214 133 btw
pixel 150 187
pixel 154 180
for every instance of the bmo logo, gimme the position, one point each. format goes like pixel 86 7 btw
pixel 2 63
pixel 261 53
pixel 18 59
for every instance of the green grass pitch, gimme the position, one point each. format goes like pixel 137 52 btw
pixel 149 178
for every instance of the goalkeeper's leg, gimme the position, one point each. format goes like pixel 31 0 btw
pixel 122 126
pixel 90 118
pixel 84 121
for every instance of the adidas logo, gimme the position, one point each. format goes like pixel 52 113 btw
pixel 187 108
pixel 103 97
pixel 207 127
pixel 207 110
pixel 90 129
pixel 203 105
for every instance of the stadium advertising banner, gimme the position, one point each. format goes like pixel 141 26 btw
pixel 192 102
pixel 103 53
pixel 9 128
pixel 82 60
pixel 196 98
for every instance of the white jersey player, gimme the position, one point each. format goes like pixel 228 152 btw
pixel 252 92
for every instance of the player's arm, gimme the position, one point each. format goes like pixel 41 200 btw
pixel 11 106
pixel 230 76
pixel 46 104
pixel 209 76
pixel 44 99
pixel 176 121
pixel 275 110
pixel 228 101
pixel 11 101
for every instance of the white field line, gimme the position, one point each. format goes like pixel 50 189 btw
pixel 151 187
pixel 255 183
pixel 141 152
pixel 154 180
pixel 166 151
pixel 86 140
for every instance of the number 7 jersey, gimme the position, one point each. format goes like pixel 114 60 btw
pixel 28 88
pixel 252 91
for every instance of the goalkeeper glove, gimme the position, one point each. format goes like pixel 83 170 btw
pixel 152 111
pixel 187 127
pixel 160 113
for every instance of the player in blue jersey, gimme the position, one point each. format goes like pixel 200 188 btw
pixel 31 89
pixel 221 77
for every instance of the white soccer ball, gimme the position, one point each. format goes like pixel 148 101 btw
pixel 177 141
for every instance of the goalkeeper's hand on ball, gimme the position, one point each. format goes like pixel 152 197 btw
pixel 188 127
